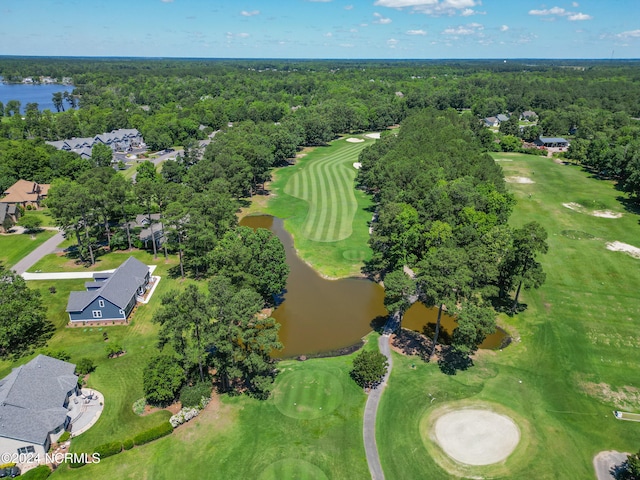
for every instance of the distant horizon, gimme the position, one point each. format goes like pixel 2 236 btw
pixel 322 29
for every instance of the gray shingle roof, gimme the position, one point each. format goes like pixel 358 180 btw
pixel 32 398
pixel 117 289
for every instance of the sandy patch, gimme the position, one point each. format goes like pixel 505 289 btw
pixel 476 436
pixel 357 165
pixel 605 462
pixel 374 135
pixel 573 206
pixel 606 214
pixel 355 140
pixel 624 247
pixel 503 160
pixel 626 398
pixel 518 180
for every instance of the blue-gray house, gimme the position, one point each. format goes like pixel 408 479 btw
pixel 110 298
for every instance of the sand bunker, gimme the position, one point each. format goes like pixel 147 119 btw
pixel 605 461
pixel 624 247
pixel 357 165
pixel 375 135
pixel 596 213
pixel 355 140
pixel 477 436
pixel 518 180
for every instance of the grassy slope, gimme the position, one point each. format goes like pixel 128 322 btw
pixel 334 259
pixel 15 247
pixel 581 326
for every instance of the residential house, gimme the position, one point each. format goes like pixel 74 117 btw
pixel 153 230
pixel 528 115
pixel 122 139
pixel 110 298
pixel 8 211
pixel 491 122
pixel 502 117
pixel 26 193
pixel 34 405
pixel 552 142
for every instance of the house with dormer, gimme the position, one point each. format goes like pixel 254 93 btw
pixel 35 404
pixel 111 297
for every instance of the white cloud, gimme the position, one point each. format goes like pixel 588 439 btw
pixel 433 7
pixel 166 1
pixel 252 13
pixel 579 16
pixel 231 35
pixel 504 28
pixel 347 45
pixel 549 11
pixel 392 42
pixel 349 7
pixel 629 34
pixel 328 34
pixel 416 32
pixel 381 20
pixel 575 4
pixel 463 30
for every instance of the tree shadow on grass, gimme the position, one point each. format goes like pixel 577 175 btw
pixel 451 361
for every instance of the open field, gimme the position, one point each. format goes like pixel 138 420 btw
pixel 328 218
pixel 576 358
pixel 14 247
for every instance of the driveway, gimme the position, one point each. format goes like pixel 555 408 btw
pixel 32 258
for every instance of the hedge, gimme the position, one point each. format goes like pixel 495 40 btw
pixel 107 449
pixel 153 433
pixel 39 473
pixel 128 444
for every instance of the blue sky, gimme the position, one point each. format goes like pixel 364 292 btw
pixel 322 28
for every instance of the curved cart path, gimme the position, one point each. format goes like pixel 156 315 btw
pixel 371 408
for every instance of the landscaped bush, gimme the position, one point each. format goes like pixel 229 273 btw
pixel 153 433
pixel 138 406
pixel 39 473
pixel 64 437
pixel 108 449
pixel 191 395
pixel 114 349
pixel 85 366
pixel 128 444
pixel 183 416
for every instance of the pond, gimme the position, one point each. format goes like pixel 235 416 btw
pixel 320 315
pixel 33 93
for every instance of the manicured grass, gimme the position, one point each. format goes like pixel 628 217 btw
pixel 308 394
pixel 576 353
pixel 13 247
pixel 63 263
pixel 328 218
pixel 240 437
pixel 44 215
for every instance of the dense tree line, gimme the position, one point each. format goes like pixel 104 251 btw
pixel 442 212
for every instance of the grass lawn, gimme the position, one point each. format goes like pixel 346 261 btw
pixel 328 218
pixel 578 350
pixel 14 247
pixel 240 437
pixel 45 217
pixel 62 263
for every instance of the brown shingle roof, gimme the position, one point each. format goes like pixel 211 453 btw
pixel 25 191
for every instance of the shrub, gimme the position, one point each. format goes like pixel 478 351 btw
pixel 162 378
pixel 59 354
pixel 39 473
pixel 108 449
pixel 52 290
pixel 191 395
pixel 64 437
pixel 153 433
pixel 183 416
pixel 138 406
pixel 85 366
pixel 128 444
pixel 113 349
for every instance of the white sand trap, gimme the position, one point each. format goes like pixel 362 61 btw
pixel 573 206
pixel 357 165
pixel 503 160
pixel 477 437
pixel 606 214
pixel 605 461
pixel 518 180
pixel 375 135
pixel 624 247
pixel 355 140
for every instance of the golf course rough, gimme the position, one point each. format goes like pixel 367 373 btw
pixel 327 185
pixel 292 469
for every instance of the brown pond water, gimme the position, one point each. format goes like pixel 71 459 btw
pixel 320 315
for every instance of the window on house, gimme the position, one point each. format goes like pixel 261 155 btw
pixel 25 450
pixel 101 303
pixel 96 313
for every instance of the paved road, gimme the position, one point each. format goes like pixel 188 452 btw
pixel 371 407
pixel 46 248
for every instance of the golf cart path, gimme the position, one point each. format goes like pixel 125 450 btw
pixel 371 407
